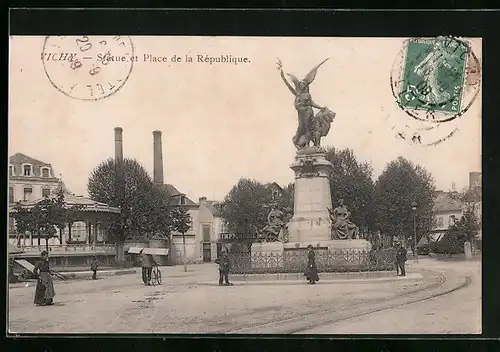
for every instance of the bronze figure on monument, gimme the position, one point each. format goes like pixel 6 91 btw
pixel 311 127
pixel 342 227
pixel 276 226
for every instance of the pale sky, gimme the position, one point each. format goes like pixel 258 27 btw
pixel 222 122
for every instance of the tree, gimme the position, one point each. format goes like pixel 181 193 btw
pixel 60 211
pixel 285 200
pixel 159 217
pixel 41 219
pixel 245 208
pixel 351 181
pixel 181 222
pixel 469 222
pixel 25 220
pixel 145 208
pixel 398 186
pixel 452 242
pixel 134 197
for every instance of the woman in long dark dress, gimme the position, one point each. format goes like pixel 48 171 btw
pixel 44 292
pixel 312 270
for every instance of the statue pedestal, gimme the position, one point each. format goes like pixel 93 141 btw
pixel 311 220
pixel 310 225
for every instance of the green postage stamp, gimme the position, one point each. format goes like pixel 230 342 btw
pixel 432 78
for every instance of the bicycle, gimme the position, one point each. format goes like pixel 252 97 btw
pixel 156 276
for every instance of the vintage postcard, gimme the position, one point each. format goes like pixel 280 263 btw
pixel 265 185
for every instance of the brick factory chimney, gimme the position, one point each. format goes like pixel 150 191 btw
pixel 157 158
pixel 118 144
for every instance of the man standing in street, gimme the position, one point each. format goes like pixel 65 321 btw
pixel 93 266
pixel 400 259
pixel 147 262
pixel 224 267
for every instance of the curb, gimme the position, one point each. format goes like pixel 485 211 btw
pixel 408 277
pixel 324 276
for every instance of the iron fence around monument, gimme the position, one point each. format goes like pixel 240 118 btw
pixel 295 261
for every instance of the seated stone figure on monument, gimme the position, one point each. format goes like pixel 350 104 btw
pixel 342 227
pixel 310 127
pixel 275 225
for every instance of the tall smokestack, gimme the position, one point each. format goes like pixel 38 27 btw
pixel 118 144
pixel 157 158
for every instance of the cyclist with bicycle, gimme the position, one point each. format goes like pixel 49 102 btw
pixel 147 262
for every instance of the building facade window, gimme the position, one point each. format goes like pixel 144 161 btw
pixel 45 172
pixel 27 193
pixel 11 170
pixel 183 200
pixel 206 233
pixel 440 221
pixel 45 192
pixel 11 195
pixel 27 169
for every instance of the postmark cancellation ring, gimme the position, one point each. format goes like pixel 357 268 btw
pixel 88 67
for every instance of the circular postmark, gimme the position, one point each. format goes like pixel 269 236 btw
pixel 88 67
pixel 435 80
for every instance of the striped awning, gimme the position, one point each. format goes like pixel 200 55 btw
pixel 152 251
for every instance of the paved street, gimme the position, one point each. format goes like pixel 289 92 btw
pixel 456 313
pixel 187 302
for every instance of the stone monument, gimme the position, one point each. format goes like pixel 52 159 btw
pixel 313 222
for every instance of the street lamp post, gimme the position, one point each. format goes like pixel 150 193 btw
pixel 415 251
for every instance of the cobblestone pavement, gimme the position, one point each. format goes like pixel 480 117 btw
pixel 182 305
pixel 457 313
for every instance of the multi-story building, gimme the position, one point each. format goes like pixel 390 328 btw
pixel 29 179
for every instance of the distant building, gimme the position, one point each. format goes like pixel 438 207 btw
pixel 447 209
pixel 211 226
pixel 275 189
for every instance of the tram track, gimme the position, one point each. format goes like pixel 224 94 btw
pixel 304 322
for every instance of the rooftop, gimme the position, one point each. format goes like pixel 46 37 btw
pixel 86 203
pixel 20 158
pixel 174 192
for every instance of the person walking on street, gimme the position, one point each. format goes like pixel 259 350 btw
pixel 44 292
pixel 147 262
pixel 311 273
pixel 94 264
pixel 224 268
pixel 400 259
